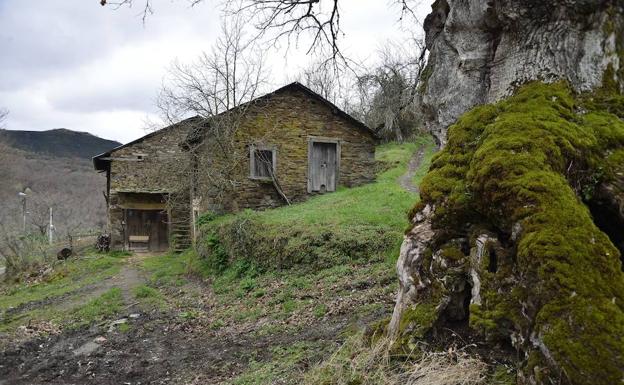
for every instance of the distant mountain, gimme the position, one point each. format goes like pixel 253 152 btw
pixel 58 142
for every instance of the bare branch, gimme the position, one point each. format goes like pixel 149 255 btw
pixel 389 92
pixel 276 20
pixel 290 19
pixel 215 89
pixel 3 115
pixel 232 73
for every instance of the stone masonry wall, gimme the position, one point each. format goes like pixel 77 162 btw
pixel 155 164
pixel 285 121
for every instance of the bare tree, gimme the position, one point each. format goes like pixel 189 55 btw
pixel 214 92
pixel 290 19
pixel 323 79
pixel 232 73
pixel 39 214
pixel 388 93
pixel 3 115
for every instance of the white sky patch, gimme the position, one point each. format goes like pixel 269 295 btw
pixel 76 65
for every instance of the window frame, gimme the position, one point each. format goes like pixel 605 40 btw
pixel 252 160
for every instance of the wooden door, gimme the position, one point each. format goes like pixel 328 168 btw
pixel 146 230
pixel 323 166
pixel 159 234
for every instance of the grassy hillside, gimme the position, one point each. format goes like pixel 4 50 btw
pixel 248 323
pixel 362 223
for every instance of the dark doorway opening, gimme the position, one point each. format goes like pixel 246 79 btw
pixel 493 262
pixel 147 230
pixel 609 221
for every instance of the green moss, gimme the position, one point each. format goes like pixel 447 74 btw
pixel 452 253
pixel 418 319
pixel 529 161
pixel 502 375
pixel 424 78
pixel 610 80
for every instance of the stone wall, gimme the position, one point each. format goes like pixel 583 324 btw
pixel 143 173
pixel 153 164
pixel 285 121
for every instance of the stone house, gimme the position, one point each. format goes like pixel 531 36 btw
pixel 290 144
pixel 142 176
pixel 280 148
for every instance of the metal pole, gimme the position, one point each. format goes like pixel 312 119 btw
pixel 24 214
pixel 50 237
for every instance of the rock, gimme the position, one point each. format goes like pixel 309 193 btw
pixel 481 50
pixel 86 349
pixel 113 324
pixel 411 264
pixel 607 207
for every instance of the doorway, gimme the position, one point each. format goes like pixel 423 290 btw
pixel 323 165
pixel 147 230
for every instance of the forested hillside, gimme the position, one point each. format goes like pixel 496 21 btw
pixel 58 143
pixel 54 169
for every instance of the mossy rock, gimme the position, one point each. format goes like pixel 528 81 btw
pixel 416 321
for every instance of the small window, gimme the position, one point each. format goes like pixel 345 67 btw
pixel 262 162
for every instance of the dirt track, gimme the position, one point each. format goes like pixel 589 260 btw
pixel 159 346
pixel 407 180
pixel 158 349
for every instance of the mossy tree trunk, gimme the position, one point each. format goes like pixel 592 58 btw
pixel 511 247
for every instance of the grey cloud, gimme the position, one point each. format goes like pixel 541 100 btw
pixel 74 64
pixel 139 97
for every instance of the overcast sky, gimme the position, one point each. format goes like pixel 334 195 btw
pixel 77 65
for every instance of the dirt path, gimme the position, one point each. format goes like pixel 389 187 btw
pixel 129 277
pixel 163 345
pixel 126 279
pixel 406 180
pixel 157 349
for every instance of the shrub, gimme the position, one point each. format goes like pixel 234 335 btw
pixel 275 246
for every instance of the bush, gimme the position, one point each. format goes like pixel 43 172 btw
pixel 270 247
pixel 25 255
pixel 213 253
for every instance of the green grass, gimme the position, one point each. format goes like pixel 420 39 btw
pixel 68 276
pixel 174 269
pixel 381 203
pixel 353 224
pixel 99 308
pixel 144 291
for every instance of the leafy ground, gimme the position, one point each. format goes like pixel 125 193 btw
pixel 112 319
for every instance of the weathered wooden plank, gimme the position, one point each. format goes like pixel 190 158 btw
pixel 139 238
pixel 331 166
